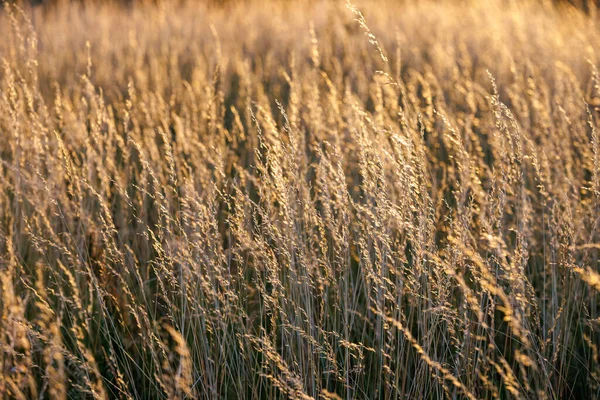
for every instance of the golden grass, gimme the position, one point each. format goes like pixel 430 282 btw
pixel 299 200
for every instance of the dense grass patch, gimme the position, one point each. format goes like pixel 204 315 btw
pixel 317 200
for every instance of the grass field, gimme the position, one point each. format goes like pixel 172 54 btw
pixel 328 200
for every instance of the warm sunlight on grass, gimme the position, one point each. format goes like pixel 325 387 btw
pixel 270 199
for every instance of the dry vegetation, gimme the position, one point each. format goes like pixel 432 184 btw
pixel 280 200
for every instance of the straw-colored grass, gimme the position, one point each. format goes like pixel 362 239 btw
pixel 319 200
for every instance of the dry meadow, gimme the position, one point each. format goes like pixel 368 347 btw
pixel 303 200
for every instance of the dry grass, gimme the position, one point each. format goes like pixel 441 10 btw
pixel 315 200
